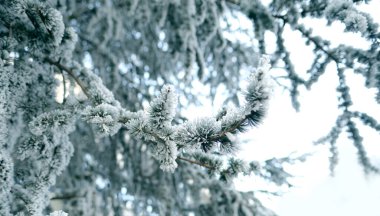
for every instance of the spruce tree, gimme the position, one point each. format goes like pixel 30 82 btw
pixel 114 138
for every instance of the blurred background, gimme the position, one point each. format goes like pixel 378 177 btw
pixel 286 132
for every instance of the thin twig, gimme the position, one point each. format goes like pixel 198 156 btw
pixel 236 2
pixel 64 86
pixel 275 79
pixel 196 162
pixel 71 73
pixel 65 197
pixel 318 45
pixel 269 192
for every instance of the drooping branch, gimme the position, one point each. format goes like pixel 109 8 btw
pixel 156 124
pixel 317 44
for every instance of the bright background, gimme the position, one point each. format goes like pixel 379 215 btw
pixel 350 192
pixel 284 131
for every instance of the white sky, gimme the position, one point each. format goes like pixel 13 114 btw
pixel 284 131
pixel 350 192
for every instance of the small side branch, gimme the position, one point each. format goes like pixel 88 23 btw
pixel 317 44
pixel 196 162
pixel 71 73
pixel 65 197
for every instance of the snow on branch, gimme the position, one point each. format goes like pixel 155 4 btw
pixel 162 109
pixel 58 213
pixel 272 170
pixel 46 20
pixel 155 123
pixel 104 117
pixel 354 20
pixel 53 121
pixel 6 172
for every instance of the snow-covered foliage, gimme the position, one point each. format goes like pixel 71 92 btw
pixel 166 154
pixel 104 117
pixel 163 109
pixel 55 121
pixel 6 180
pixel 58 213
pixel 118 140
pixel 345 11
pixel 199 134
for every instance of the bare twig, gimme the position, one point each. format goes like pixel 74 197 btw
pixel 65 197
pixel 275 79
pixel 71 73
pixel 196 162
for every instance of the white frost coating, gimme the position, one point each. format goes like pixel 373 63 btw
pixel 47 18
pixel 194 134
pixel 59 213
pixel 372 73
pixel 259 87
pixel 43 152
pixel 6 172
pixel 166 154
pixel 264 63
pixel 233 116
pixel 162 109
pixel 138 125
pixel 337 6
pixel 54 24
pixel 62 155
pixel 259 76
pixel 68 43
pixel 95 88
pixel 344 11
pixel 257 94
pixel 57 120
pixel 34 146
pixel 357 21
pixel 105 117
pixel 158 120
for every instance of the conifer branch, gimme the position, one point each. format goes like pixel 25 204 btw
pixel 66 197
pixel 317 44
pixel 127 52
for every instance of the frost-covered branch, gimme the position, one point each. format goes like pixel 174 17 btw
pixel 361 61
pixel 156 123
pixel 122 132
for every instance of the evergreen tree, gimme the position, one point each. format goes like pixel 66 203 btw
pixel 118 137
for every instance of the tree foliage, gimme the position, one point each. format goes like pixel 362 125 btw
pixel 101 151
